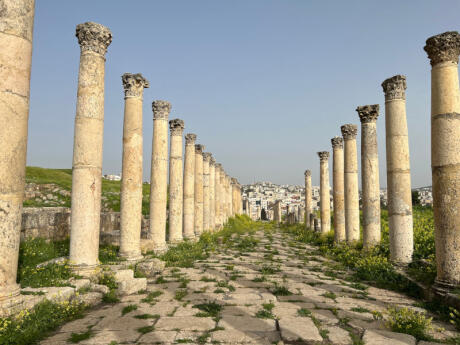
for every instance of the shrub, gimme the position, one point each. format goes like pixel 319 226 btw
pixel 409 321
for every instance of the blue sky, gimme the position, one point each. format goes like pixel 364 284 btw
pixel 264 84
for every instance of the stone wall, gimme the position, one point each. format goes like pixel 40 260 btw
pixel 53 223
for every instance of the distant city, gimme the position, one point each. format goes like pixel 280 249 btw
pixel 263 195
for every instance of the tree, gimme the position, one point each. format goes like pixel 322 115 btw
pixel 263 215
pixel 415 197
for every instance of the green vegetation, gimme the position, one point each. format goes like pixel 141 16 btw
pixel 304 312
pixel 77 337
pixel 409 321
pixel 129 308
pixel 211 309
pixel 147 316
pixel 146 329
pixel 266 312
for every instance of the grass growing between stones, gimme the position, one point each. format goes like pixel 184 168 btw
pixel 404 320
pixel 30 326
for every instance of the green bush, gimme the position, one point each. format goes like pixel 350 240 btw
pixel 409 321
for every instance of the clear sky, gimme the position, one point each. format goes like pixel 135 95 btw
pixel 264 84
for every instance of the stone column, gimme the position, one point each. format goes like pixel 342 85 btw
pixel 223 199
pixel 212 194
pixel 234 196
pixel 443 51
pixel 206 195
pixel 301 215
pixel 159 176
pixel 398 171
pixel 17 21
pixel 189 186
pixel 176 180
pixel 218 196
pixel 349 132
pixel 277 212
pixel 229 197
pixel 131 176
pixel 370 174
pixel 325 198
pixel 87 149
pixel 199 198
pixel 308 203
pixel 246 206
pixel 338 190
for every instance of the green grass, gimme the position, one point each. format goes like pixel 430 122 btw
pixel 211 309
pixel 147 316
pixel 129 308
pixel 77 337
pixel 151 297
pixel 404 320
pixel 304 312
pixel 146 329
pixel 281 291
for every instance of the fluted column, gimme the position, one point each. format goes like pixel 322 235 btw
pixel 131 176
pixel 308 203
pixel 370 174
pixel 17 21
pixel 325 207
pixel 443 51
pixel 199 198
pixel 218 196
pixel 212 194
pixel 338 189
pixel 398 171
pixel 349 132
pixel 159 176
pixel 189 186
pixel 206 195
pixel 94 40
pixel 176 177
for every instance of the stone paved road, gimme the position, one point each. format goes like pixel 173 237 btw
pixel 266 296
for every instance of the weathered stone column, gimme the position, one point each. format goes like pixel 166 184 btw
pixel 234 196
pixel 398 171
pixel 131 176
pixel 338 190
pixel 229 197
pixel 189 186
pixel 349 132
pixel 301 215
pixel 443 51
pixel 159 176
pixel 17 21
pixel 325 207
pixel 246 207
pixel 223 201
pixel 212 194
pixel 206 198
pixel 87 149
pixel 176 181
pixel 199 198
pixel 277 212
pixel 218 196
pixel 370 174
pixel 308 203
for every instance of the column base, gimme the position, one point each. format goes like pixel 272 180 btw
pixel 131 256
pixel 442 287
pixel 86 271
pixel 175 241
pixel 9 292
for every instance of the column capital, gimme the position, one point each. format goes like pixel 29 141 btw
pixel 212 161
pixel 444 47
pixel 234 181
pixel 307 173
pixel 349 131
pixel 161 110
pixel 134 84
pixel 218 166
pixel 337 142
pixel 323 156
pixel 395 87
pixel 190 139
pixel 93 37
pixel 199 148
pixel 176 126
pixel 368 113
pixel 207 156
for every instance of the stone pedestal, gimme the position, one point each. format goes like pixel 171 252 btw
pixel 325 207
pixel 199 190
pixel 398 171
pixel 218 196
pixel 17 21
pixel 206 192
pixel 159 176
pixel 131 181
pixel 176 191
pixel 87 149
pixel 443 51
pixel 370 174
pixel 338 190
pixel 349 132
pixel 308 203
pixel 212 194
pixel 189 186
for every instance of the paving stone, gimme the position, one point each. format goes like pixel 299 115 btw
pixel 234 336
pixel 185 323
pixel 106 336
pixel 299 328
pixel 325 316
pixel 247 323
pixel 338 336
pixel 379 337
pixel 157 337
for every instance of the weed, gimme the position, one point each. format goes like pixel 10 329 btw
pixel 128 309
pixel 409 321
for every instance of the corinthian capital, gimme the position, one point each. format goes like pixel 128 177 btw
pixel 199 148
pixel 307 173
pixel 161 110
pixel 349 131
pixel 207 156
pixel 337 142
pixel 212 161
pixel 323 156
pixel 395 87
pixel 93 37
pixel 190 139
pixel 176 126
pixel 443 47
pixel 134 84
pixel 368 113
